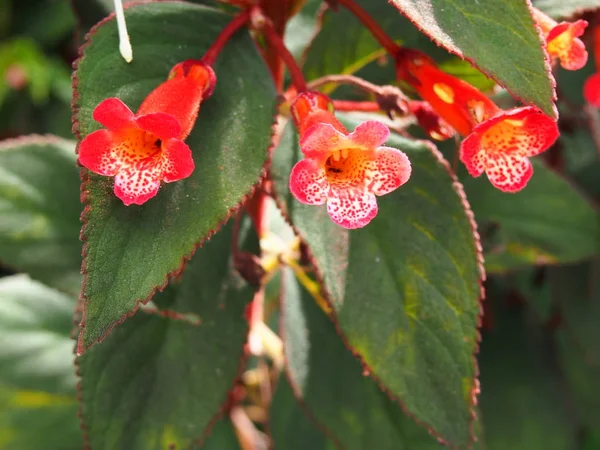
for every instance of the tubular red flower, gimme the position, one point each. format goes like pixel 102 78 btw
pixel 461 105
pixel 562 41
pixel 141 150
pixel 345 170
pixel 501 146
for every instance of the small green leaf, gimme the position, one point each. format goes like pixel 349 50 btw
pixel 131 250
pixel 521 396
pixel 548 222
pixel 405 289
pixel 38 406
pixel 39 206
pixel 499 37
pixel 331 384
pixel 559 8
pixel 155 381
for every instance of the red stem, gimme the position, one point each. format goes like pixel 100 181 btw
pixel 213 52
pixel 386 42
pixel 277 43
pixel 346 105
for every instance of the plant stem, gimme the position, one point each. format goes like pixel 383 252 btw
pixel 213 52
pixel 382 37
pixel 288 59
pixel 345 105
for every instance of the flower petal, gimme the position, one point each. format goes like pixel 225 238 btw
pixel 113 114
pixel 352 208
pixel 178 161
pixel 562 43
pixel 591 90
pixel 308 182
pixel 521 131
pixel 509 173
pixel 134 186
pixel 95 153
pixel 369 135
pixel 392 171
pixel 321 139
pixel 472 155
pixel 162 125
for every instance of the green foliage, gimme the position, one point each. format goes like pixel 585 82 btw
pixel 414 306
pixel 224 314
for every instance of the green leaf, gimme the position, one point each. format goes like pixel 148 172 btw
pixel 344 45
pixel 39 206
pixel 222 437
pixel 559 9
pixel 405 289
pixel 38 406
pixel 530 284
pixel 301 28
pixel 155 381
pixel 548 222
pixel 146 243
pixel 499 37
pixel 351 406
pixel 521 396
pixel 290 426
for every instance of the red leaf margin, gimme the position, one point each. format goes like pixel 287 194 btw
pixel 459 189
pixel 85 178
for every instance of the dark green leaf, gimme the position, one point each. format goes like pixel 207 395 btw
pixel 523 404
pixel 350 406
pixel 38 407
pixel 290 426
pixel 156 381
pixel 222 437
pixel 560 8
pixel 405 289
pixel 499 37
pixel 344 45
pixel 39 210
pixel 145 243
pixel 548 222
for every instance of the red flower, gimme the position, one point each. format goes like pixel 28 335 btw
pixel 144 149
pixel 501 146
pixel 562 41
pixel 344 170
pixel 591 88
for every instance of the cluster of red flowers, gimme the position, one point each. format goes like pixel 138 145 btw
pixel 344 170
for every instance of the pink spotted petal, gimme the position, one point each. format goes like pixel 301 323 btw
pixel 162 125
pixel 591 90
pixel 508 173
pixel 179 163
pixel 95 153
pixel 113 114
pixel 321 139
pixel 134 186
pixel 563 43
pixel 392 171
pixel 352 208
pixel 518 132
pixel 308 182
pixel 369 135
